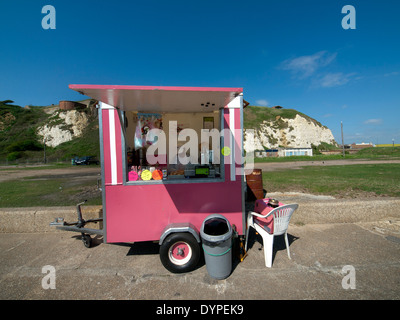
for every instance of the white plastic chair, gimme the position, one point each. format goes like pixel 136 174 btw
pixel 281 216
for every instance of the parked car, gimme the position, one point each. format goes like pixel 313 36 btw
pixel 73 160
pixel 85 160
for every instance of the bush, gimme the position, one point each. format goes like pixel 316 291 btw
pixel 315 150
pixel 14 155
pixel 24 145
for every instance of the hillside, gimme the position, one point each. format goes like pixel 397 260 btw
pixel 17 130
pixel 70 133
pixel 23 132
pixel 279 127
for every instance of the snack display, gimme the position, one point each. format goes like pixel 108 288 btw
pixel 177 173
pixel 133 176
pixel 146 175
pixel 157 174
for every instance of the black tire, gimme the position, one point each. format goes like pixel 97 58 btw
pixel 87 240
pixel 180 252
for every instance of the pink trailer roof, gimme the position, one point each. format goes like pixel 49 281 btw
pixel 160 99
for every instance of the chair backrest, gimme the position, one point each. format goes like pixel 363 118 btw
pixel 282 217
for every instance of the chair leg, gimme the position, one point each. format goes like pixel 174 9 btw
pixel 247 237
pixel 287 245
pixel 247 232
pixel 268 241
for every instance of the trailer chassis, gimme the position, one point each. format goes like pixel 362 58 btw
pixel 79 226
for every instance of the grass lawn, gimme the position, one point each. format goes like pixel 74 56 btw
pixel 343 181
pixel 347 181
pixel 383 153
pixel 34 192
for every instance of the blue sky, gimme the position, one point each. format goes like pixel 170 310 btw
pixel 291 53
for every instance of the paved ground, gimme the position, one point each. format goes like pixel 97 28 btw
pixel 321 254
pixel 134 271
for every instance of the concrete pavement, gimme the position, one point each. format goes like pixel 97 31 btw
pixel 355 242
pixel 312 209
pixel 320 254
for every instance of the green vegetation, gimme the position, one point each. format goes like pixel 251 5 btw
pixel 19 140
pixel 382 152
pixel 346 181
pixel 86 145
pixel 367 153
pixel 254 116
pixel 48 192
pixel 18 130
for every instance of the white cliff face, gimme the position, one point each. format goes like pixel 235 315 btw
pixel 53 136
pixel 294 133
pixel 63 126
pixel 300 132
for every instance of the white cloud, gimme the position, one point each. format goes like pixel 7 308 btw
pixel 373 121
pixel 305 66
pixel 334 79
pixel 314 67
pixel 394 73
pixel 262 102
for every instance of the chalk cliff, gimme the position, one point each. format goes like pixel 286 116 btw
pixel 63 126
pixel 275 128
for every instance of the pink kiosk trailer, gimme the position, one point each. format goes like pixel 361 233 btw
pixel 150 194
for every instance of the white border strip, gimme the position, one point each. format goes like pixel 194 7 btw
pixel 232 142
pixel 113 151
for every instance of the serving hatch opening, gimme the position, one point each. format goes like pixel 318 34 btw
pixel 180 115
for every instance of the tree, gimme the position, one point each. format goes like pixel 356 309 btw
pixel 5 102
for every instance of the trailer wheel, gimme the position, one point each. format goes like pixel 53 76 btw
pixel 180 252
pixel 87 240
